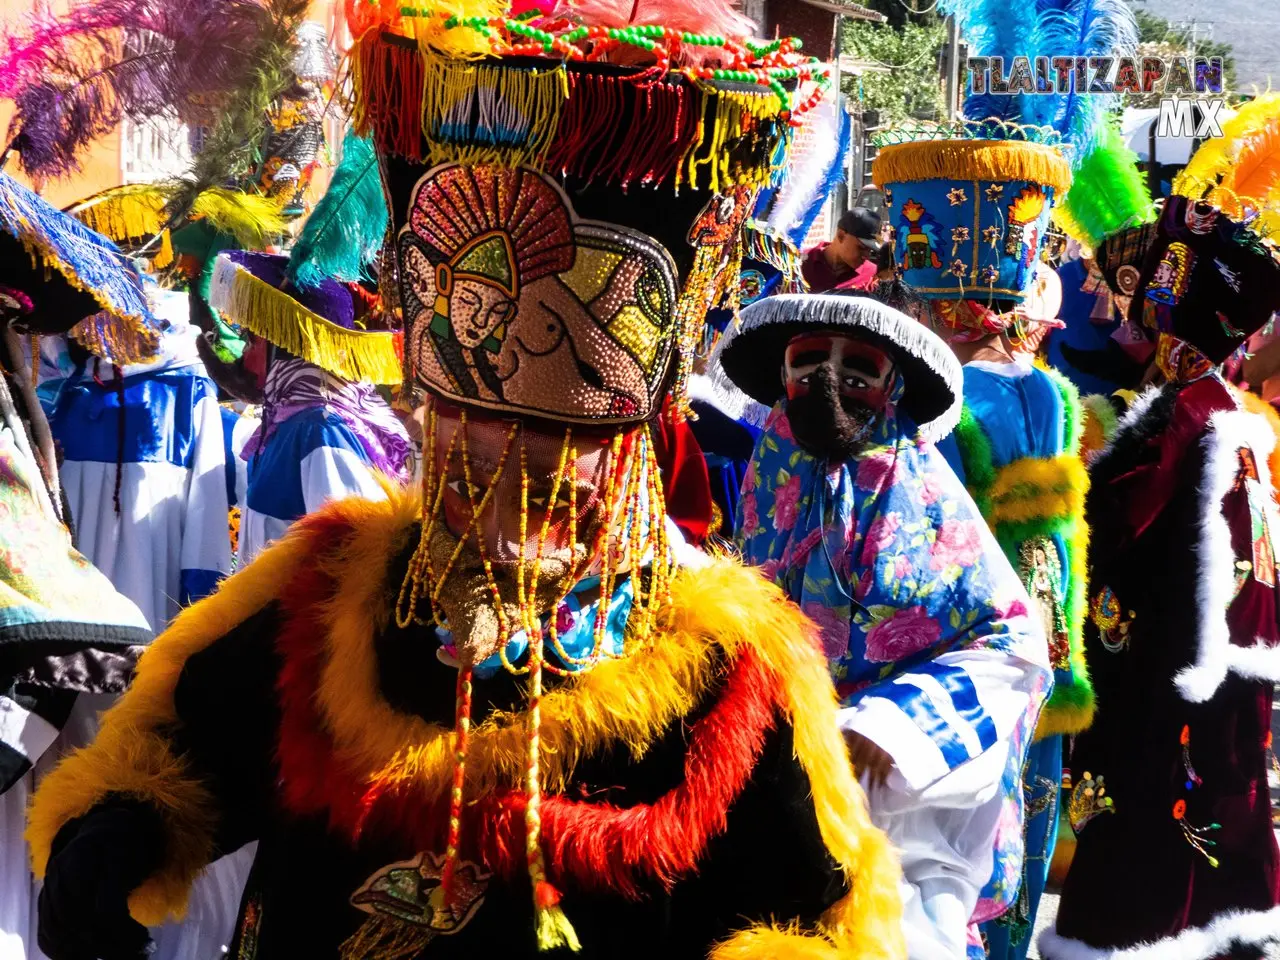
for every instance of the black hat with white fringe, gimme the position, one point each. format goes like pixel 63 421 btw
pixel 750 354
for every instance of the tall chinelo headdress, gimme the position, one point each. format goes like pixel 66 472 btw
pixel 567 187
pixel 1211 276
pixel 971 200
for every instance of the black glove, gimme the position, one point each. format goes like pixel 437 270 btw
pixel 97 860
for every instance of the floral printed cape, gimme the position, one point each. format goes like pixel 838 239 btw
pixel 888 554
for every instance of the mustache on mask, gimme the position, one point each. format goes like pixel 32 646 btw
pixel 827 425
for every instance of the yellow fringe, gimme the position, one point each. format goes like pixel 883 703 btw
pixel 451 87
pixel 730 113
pixel 1032 489
pixel 996 160
pixel 269 313
pixel 132 212
pixel 131 756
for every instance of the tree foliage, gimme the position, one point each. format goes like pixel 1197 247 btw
pixel 911 88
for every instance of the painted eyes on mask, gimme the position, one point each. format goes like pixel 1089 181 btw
pixel 849 383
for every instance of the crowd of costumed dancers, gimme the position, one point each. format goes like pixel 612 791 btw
pixel 484 503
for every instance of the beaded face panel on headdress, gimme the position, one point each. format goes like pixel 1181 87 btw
pixel 513 303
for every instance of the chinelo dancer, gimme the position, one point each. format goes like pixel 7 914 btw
pixel 850 508
pixel 511 712
pixel 1170 781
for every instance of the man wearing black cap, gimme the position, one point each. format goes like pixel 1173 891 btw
pixel 830 264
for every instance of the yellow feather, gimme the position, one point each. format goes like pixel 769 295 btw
pixel 1216 158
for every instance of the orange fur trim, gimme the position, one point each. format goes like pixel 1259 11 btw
pixel 130 756
pixel 718 606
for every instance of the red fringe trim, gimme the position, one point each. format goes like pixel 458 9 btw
pixel 591 142
pixel 598 845
pixel 612 129
pixel 593 844
pixel 389 108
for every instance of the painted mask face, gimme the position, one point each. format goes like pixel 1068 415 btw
pixel 513 304
pixel 837 387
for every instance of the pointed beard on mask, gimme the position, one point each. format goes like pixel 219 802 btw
pixel 467 602
pixel 828 426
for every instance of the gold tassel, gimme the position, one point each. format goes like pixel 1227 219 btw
pixel 998 160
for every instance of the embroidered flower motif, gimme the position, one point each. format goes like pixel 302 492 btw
pixel 995 191
pixel 930 489
pixel 957 196
pixel 959 543
pixel 834 629
pixel 991 235
pixel 958 268
pixel 959 234
pixel 879 535
pixel 989 275
pixel 786 504
pixel 750 518
pixel 906 632
pixel 876 471
pixel 865 583
pixel 901 567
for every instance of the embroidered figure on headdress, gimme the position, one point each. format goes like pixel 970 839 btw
pixel 522 295
pixel 919 232
pixel 1023 236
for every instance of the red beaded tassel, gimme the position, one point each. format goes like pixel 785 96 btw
pixel 461 732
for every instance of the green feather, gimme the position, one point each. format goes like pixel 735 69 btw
pixel 344 233
pixel 1108 193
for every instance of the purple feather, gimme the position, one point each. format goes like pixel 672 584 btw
pixel 75 78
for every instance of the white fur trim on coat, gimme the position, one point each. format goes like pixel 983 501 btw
pixel 1256 928
pixel 1216 655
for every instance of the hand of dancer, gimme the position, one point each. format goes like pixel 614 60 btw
pixel 869 760
pixel 97 860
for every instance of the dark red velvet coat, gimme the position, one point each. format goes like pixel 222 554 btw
pixel 1180 514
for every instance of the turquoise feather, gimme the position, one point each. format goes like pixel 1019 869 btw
pixel 345 231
